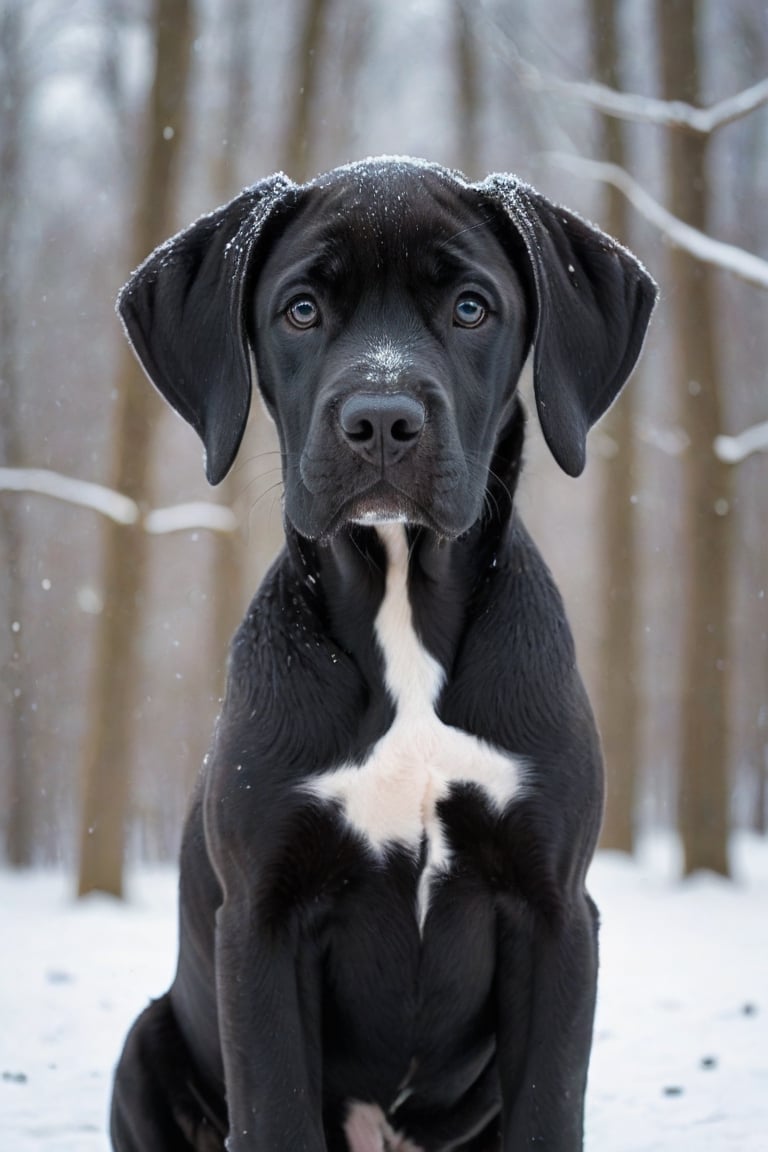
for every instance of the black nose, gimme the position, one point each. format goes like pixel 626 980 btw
pixel 382 427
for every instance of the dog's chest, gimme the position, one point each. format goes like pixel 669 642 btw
pixel 393 797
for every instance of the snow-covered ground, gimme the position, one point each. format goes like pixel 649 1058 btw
pixel 680 1060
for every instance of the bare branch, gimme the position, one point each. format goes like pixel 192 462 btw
pixel 117 507
pixel 667 113
pixel 196 515
pixel 632 106
pixel 743 264
pixel 179 518
pixel 734 449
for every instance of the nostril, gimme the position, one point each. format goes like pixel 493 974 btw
pixel 381 427
pixel 359 432
pixel 357 418
pixel 404 430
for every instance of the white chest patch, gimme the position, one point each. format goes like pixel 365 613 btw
pixel 392 797
pixel 367 1130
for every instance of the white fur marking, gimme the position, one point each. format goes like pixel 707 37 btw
pixel 392 797
pixel 363 1128
pixel 385 361
pixel 367 1130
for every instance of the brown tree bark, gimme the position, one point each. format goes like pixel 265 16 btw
pixel 263 525
pixel 107 764
pixel 298 154
pixel 617 702
pixel 468 79
pixel 18 759
pixel 227 566
pixel 703 786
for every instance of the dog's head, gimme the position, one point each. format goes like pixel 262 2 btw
pixel 386 310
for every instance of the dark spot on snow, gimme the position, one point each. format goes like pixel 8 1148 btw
pixel 15 1077
pixel 749 1010
pixel 709 1062
pixel 672 1090
pixel 56 976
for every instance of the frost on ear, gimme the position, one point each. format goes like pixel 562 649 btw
pixel 593 301
pixel 183 312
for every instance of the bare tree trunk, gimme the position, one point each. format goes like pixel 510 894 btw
pixel 262 524
pixel 107 766
pixel 227 567
pixel 17 752
pixel 751 44
pixel 760 812
pixel 467 72
pixel 351 24
pixel 298 155
pixel 617 703
pixel 703 786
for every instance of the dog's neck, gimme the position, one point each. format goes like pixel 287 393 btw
pixel 344 578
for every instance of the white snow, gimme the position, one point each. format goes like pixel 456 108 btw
pixel 202 514
pixel 196 514
pixel 734 449
pixel 680 1058
pixel 81 492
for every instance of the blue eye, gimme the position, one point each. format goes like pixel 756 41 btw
pixel 469 311
pixel 303 313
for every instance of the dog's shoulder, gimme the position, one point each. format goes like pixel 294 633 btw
pixel 517 606
pixel 290 687
pixel 517 671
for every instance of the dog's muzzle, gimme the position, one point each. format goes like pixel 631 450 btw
pixel 382 427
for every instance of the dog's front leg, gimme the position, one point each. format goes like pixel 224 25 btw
pixel 544 1036
pixel 269 1019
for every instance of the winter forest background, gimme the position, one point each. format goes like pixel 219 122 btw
pixel 121 121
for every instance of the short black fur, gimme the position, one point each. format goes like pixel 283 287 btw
pixel 306 982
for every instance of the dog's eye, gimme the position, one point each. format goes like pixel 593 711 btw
pixel 469 312
pixel 303 313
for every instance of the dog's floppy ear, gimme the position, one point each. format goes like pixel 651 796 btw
pixel 593 303
pixel 183 313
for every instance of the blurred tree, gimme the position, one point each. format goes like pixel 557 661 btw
pixel 297 158
pixel 350 67
pixel 703 785
pixel 469 118
pixel 617 701
pixel 227 574
pixel 107 764
pixel 259 444
pixel 19 766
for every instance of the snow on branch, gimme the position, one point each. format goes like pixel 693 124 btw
pixel 197 514
pixel 743 264
pixel 642 109
pixel 734 449
pixel 121 509
pixel 46 483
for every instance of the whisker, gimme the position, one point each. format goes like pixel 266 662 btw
pixel 253 507
pixel 246 460
pixel 271 488
pixel 254 479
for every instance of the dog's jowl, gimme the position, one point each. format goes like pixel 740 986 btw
pixel 385 938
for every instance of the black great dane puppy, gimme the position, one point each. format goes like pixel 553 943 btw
pixel 386 942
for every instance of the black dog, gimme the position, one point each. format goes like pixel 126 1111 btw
pixel 386 942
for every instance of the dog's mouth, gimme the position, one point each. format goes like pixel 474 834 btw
pixel 433 487
pixel 382 503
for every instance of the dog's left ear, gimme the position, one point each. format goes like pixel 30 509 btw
pixel 593 303
pixel 183 313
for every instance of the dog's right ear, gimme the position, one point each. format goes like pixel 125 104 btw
pixel 183 313
pixel 592 301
